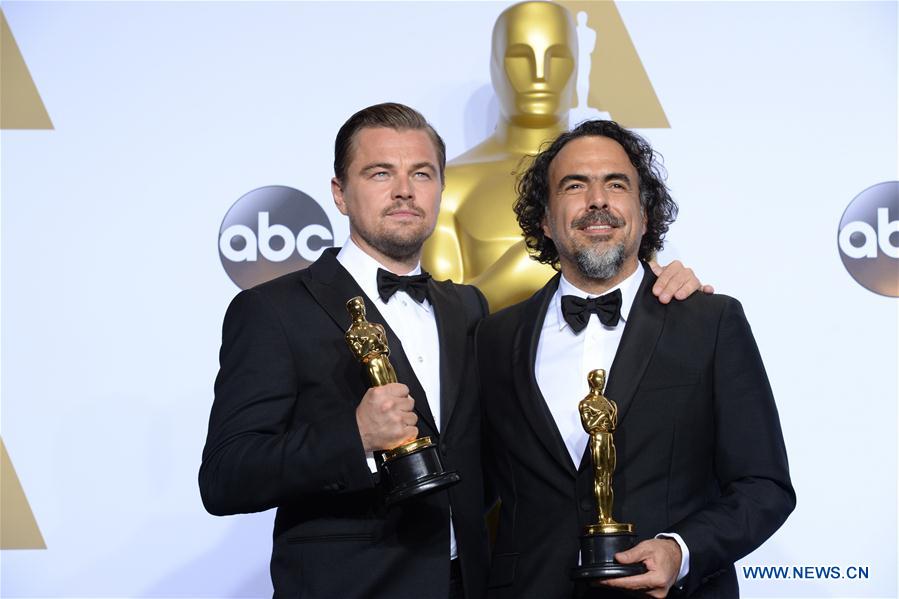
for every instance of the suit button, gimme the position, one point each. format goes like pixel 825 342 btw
pixel 586 505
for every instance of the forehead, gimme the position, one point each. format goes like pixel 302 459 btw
pixel 382 144
pixel 591 155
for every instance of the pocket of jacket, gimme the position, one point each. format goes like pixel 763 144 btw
pixel 684 379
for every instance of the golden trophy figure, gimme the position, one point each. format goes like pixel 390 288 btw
pixel 412 469
pixel 477 239
pixel 601 541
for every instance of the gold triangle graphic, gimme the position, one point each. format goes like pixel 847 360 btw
pixel 619 84
pixel 18 528
pixel 21 106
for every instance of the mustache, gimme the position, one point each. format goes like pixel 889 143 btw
pixel 404 207
pixel 597 217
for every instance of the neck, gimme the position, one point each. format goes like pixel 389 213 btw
pixel 398 266
pixel 522 137
pixel 599 286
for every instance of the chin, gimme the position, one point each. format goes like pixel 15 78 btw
pixel 406 238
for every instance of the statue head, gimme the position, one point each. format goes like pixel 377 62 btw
pixel 356 308
pixel 533 63
pixel 597 380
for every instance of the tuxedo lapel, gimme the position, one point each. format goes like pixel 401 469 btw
pixel 644 325
pixel 524 356
pixel 406 375
pixel 450 317
pixel 332 286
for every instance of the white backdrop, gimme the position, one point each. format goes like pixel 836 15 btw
pixel 166 113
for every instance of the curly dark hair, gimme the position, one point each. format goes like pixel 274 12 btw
pixel 533 190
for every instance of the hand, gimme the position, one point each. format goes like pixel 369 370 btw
pixel 676 281
pixel 385 417
pixel 662 560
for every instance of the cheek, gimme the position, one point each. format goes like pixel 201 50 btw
pixel 429 201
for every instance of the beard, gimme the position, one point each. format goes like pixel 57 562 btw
pixel 401 243
pixel 600 264
pixel 593 261
pixel 399 246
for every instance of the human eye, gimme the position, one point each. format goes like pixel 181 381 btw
pixel 380 175
pixel 422 175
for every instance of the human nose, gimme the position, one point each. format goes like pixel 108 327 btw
pixel 403 188
pixel 596 197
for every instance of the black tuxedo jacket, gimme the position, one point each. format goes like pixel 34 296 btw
pixel 283 434
pixel 699 445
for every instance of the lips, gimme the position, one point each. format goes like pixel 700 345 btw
pixel 601 221
pixel 404 214
pixel 597 228
pixel 409 211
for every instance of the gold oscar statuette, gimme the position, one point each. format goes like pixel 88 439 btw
pixel 534 72
pixel 414 468
pixel 601 541
pixel 477 240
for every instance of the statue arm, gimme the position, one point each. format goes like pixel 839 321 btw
pixel 442 254
pixel 512 278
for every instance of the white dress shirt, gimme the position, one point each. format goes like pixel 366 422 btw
pixel 414 324
pixel 564 358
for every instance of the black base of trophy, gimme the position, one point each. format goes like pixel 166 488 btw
pixel 598 557
pixel 415 474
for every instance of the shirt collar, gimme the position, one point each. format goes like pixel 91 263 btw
pixel 628 287
pixel 364 269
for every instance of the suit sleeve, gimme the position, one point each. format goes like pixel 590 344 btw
pixel 756 495
pixel 257 455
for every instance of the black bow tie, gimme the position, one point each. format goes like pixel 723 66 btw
pixel 577 310
pixel 416 285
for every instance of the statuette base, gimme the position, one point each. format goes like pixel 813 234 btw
pixel 414 470
pixel 598 555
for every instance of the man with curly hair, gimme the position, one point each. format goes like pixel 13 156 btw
pixel 701 464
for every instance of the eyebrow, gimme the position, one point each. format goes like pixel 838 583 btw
pixel 387 166
pixel 377 165
pixel 572 177
pixel 425 164
pixel 585 179
pixel 616 177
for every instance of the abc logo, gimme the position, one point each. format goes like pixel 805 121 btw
pixel 869 238
pixel 272 231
